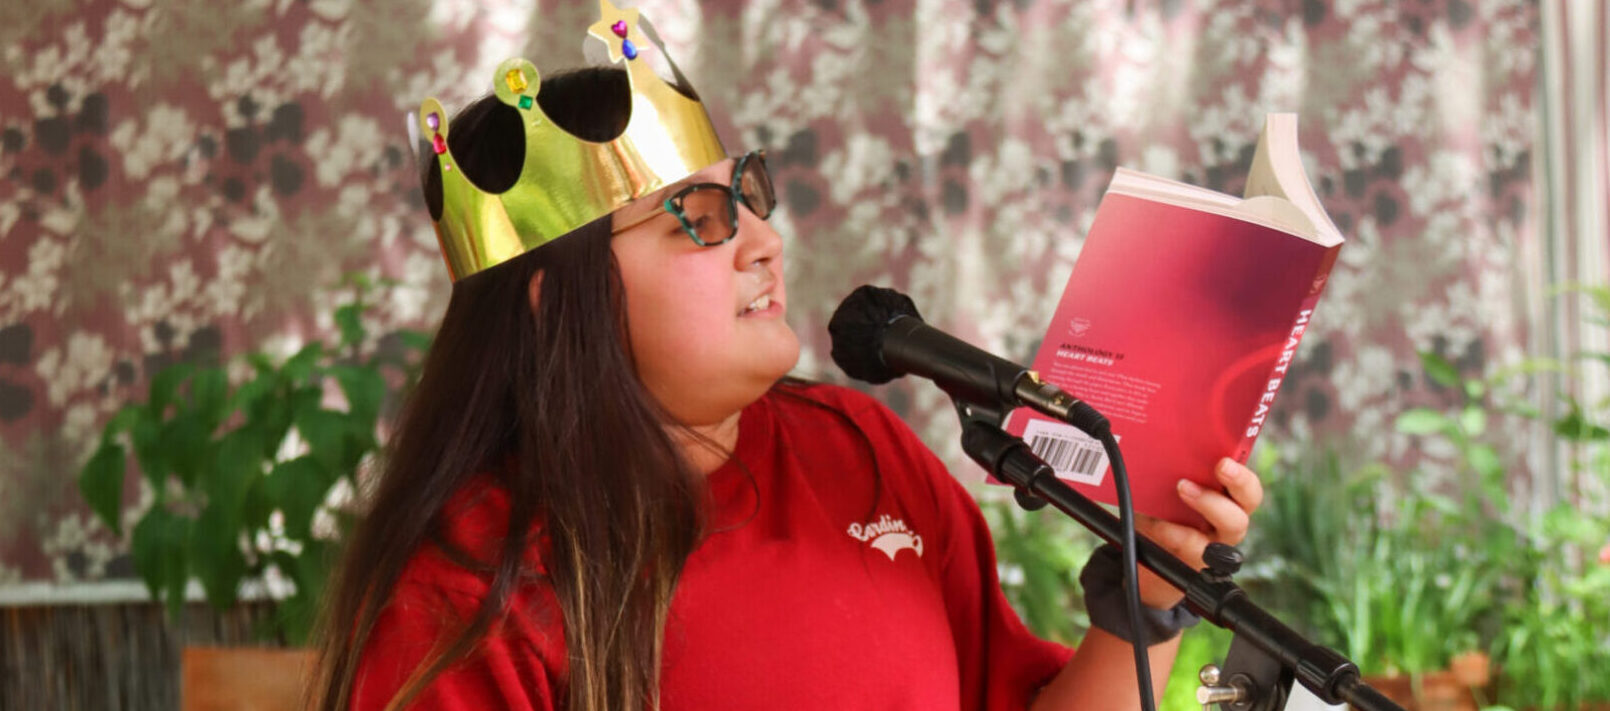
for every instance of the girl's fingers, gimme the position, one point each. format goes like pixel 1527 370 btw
pixel 1228 516
pixel 1242 483
pixel 1184 542
pixel 1228 520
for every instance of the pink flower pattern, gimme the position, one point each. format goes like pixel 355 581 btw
pixel 185 181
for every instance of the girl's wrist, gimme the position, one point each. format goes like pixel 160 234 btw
pixel 1105 600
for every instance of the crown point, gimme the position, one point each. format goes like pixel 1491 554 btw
pixel 629 49
pixel 515 79
pixel 619 28
pixel 439 143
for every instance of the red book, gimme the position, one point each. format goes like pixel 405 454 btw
pixel 1182 315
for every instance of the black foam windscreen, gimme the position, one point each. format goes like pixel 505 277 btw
pixel 857 329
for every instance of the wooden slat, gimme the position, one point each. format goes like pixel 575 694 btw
pixel 111 657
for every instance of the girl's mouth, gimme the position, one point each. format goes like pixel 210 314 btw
pixel 759 305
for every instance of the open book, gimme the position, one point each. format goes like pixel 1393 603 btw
pixel 1183 314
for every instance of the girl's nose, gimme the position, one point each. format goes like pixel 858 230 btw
pixel 757 241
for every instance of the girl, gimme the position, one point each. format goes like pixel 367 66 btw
pixel 604 495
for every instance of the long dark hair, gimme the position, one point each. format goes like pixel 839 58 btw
pixel 587 460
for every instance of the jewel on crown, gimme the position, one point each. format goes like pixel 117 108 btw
pixel 565 181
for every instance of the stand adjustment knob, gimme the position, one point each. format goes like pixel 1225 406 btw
pixel 1028 501
pixel 1210 692
pixel 1223 560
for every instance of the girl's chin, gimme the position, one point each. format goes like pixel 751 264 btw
pixel 769 362
pixel 784 354
pixel 730 394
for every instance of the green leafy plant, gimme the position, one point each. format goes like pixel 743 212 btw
pixel 1553 580
pixel 1040 555
pixel 240 473
pixel 1391 585
pixel 1556 633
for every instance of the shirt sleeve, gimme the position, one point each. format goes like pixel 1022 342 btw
pixel 501 672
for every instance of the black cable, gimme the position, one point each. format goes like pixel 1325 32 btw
pixel 1126 519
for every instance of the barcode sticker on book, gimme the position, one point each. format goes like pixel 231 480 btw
pixel 1073 454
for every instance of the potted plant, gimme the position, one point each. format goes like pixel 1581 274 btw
pixel 246 476
pixel 1391 573
pixel 1555 642
pixel 1554 646
pixel 1553 579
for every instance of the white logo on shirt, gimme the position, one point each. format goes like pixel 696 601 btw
pixel 889 535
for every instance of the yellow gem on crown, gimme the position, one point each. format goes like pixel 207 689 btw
pixel 516 80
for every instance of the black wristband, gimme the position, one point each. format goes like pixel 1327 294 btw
pixel 1103 581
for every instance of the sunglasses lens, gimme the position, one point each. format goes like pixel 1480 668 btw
pixel 708 212
pixel 755 184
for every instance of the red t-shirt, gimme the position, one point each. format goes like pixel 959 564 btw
pixel 807 597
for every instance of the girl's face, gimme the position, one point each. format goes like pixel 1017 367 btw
pixel 701 347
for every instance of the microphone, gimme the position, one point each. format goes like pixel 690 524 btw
pixel 878 336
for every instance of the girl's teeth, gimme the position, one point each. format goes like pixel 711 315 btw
pixel 763 302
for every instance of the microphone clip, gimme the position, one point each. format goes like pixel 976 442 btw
pixel 988 418
pixel 969 412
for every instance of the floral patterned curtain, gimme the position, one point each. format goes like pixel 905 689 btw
pixel 184 180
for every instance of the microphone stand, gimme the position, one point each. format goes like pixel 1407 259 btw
pixel 1265 655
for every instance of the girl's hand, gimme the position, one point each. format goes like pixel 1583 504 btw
pixel 1227 518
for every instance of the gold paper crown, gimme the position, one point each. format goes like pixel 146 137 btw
pixel 566 181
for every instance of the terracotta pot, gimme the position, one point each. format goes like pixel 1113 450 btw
pixel 242 678
pixel 1397 688
pixel 1438 691
pixel 1473 669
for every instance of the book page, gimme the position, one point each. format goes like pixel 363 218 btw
pixel 1268 211
pixel 1280 211
pixel 1277 172
pixel 1277 195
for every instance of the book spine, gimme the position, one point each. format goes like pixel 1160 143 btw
pixel 1277 374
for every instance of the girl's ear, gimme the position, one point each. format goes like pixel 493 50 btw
pixel 534 290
